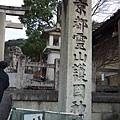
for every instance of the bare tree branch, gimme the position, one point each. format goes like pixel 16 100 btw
pixel 102 7
pixel 106 53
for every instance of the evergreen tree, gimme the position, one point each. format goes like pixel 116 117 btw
pixel 40 16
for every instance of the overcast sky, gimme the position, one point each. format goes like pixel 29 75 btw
pixel 109 9
pixel 17 33
pixel 13 33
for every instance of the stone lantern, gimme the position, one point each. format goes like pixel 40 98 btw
pixel 52 48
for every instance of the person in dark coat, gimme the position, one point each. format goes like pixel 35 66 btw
pixel 4 79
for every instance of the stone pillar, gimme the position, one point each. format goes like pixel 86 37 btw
pixel 21 72
pixel 75 83
pixel 2 34
pixel 93 77
pixel 56 73
pixel 51 40
pixel 119 49
pixel 60 41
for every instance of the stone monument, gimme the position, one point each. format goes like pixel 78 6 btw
pixel 75 79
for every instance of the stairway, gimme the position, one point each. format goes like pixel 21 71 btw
pixel 5 105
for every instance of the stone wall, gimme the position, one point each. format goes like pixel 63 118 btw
pixel 36 99
pixel 13 78
pixel 106 106
pixel 106 111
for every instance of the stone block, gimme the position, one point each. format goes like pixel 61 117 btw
pixel 106 107
pixel 110 116
pixel 96 116
pixel 36 105
pixel 116 107
pixel 96 108
pixel 102 107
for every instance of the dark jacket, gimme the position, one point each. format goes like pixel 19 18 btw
pixel 4 82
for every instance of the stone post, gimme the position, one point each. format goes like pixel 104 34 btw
pixel 119 49
pixel 2 34
pixel 21 71
pixel 56 73
pixel 51 40
pixel 75 83
pixel 93 77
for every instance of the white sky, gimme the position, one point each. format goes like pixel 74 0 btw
pixel 110 8
pixel 13 33
pixel 18 33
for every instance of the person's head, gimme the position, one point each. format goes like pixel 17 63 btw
pixel 3 64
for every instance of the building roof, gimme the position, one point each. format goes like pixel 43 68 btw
pixel 49 49
pixel 56 28
pixel 107 25
pixel 46 31
pixel 114 18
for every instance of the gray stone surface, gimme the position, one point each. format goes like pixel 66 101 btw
pixel 116 107
pixel 2 34
pixel 96 116
pixel 75 82
pixel 35 95
pixel 102 107
pixel 48 100
pixel 106 97
pixel 36 105
pixel 110 116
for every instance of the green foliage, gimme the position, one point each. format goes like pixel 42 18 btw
pixel 36 20
pixel 13 42
pixel 33 46
pixel 40 15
